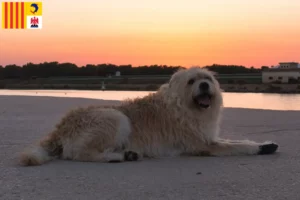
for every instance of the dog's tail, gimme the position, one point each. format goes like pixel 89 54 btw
pixel 46 150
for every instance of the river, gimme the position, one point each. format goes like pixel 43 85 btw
pixel 235 100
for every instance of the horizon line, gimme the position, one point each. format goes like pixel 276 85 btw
pixel 118 65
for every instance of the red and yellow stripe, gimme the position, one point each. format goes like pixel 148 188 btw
pixel 13 15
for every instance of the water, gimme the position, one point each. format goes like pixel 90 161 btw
pixel 235 100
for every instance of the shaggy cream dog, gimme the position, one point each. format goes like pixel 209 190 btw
pixel 181 118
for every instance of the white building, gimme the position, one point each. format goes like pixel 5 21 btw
pixel 288 65
pixel 285 73
pixel 118 73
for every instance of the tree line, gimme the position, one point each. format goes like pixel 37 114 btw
pixel 234 69
pixel 55 69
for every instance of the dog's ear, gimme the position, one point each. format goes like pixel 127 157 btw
pixel 214 73
pixel 163 87
pixel 177 72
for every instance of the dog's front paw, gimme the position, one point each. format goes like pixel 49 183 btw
pixel 131 156
pixel 267 148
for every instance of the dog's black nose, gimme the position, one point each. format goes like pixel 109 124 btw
pixel 204 86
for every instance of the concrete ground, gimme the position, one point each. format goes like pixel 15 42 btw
pixel 24 120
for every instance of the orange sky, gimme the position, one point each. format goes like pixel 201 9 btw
pixel 177 32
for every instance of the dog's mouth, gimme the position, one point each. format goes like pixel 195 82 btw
pixel 203 100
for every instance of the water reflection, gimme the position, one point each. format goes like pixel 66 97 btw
pixel 236 100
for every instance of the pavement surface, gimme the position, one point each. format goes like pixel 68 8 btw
pixel 24 120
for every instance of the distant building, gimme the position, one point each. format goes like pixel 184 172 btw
pixel 118 73
pixel 287 72
pixel 288 65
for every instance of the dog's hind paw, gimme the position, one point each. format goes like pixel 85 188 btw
pixel 267 149
pixel 131 156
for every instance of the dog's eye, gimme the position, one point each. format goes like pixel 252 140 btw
pixel 208 78
pixel 191 81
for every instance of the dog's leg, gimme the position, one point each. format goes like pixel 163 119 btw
pixel 100 157
pixel 131 156
pixel 108 156
pixel 223 147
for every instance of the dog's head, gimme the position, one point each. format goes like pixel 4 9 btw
pixel 197 88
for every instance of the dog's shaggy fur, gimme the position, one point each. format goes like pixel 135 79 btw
pixel 181 118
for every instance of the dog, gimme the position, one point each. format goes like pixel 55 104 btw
pixel 181 118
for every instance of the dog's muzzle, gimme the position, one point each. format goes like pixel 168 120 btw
pixel 204 98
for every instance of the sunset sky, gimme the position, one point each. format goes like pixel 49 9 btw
pixel 144 32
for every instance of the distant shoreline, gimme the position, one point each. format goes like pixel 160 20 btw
pixel 239 88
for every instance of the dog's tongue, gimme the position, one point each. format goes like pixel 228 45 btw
pixel 204 100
